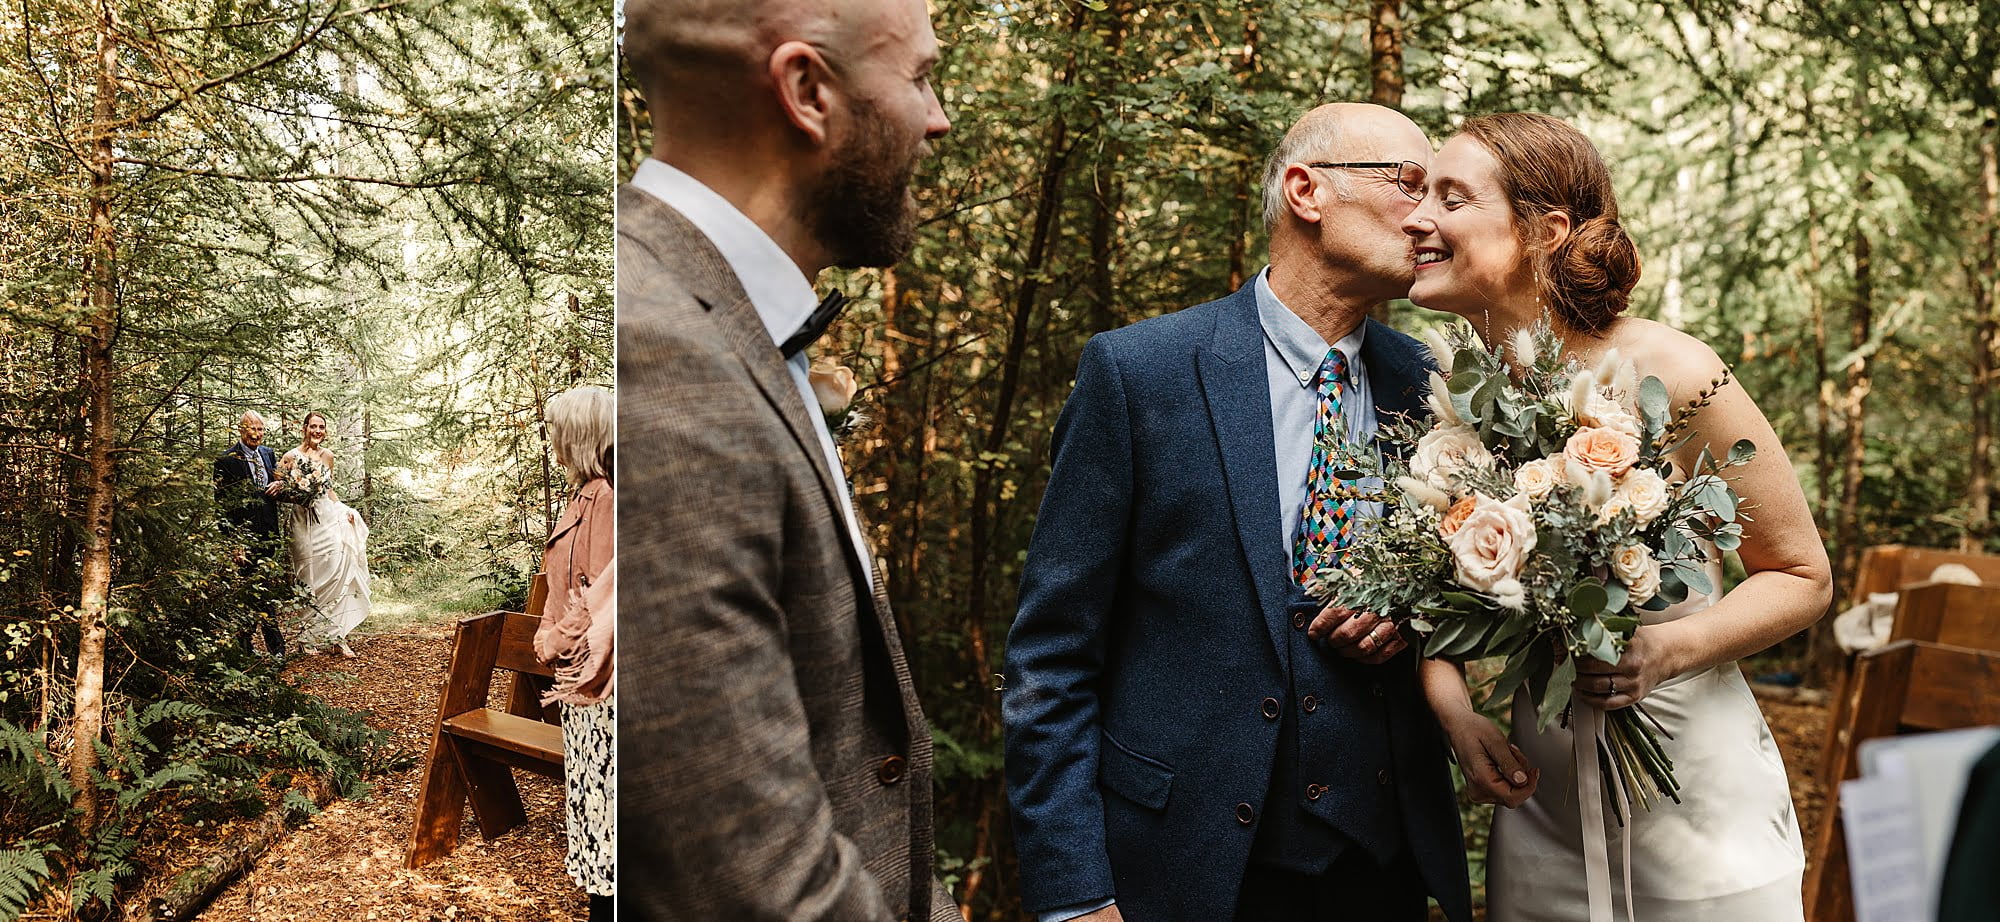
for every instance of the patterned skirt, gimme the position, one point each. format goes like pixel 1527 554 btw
pixel 590 788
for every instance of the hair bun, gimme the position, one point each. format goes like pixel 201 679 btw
pixel 1591 274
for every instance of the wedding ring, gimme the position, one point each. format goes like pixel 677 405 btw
pixel 1610 686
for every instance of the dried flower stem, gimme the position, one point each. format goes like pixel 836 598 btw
pixel 1701 400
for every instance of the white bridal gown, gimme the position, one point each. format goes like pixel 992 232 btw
pixel 330 556
pixel 1728 852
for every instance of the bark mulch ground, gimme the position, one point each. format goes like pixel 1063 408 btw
pixel 346 864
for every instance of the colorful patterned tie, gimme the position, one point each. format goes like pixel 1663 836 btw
pixel 1325 521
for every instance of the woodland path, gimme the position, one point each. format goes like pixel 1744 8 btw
pixel 346 864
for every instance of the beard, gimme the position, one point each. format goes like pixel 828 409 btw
pixel 863 213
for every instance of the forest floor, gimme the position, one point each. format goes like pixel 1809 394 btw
pixel 346 864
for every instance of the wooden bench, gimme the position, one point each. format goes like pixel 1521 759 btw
pixel 1899 568
pixel 1909 685
pixel 1947 613
pixel 474 749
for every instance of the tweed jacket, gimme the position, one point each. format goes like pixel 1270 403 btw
pixel 775 762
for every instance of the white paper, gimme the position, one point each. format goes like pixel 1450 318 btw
pixel 1883 855
pixel 1922 777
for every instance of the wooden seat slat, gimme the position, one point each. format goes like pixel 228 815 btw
pixel 517 734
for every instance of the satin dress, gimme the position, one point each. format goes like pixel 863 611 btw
pixel 1729 852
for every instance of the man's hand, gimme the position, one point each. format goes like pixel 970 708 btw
pixel 1107 914
pixel 1496 771
pixel 273 489
pixel 1358 635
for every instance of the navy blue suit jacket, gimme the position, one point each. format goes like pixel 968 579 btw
pixel 240 507
pixel 1154 623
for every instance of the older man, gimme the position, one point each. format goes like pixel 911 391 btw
pixel 776 764
pixel 1180 746
pixel 245 493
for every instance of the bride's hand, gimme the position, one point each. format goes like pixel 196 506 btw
pixel 1642 667
pixel 1496 771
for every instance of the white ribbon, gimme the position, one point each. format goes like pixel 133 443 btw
pixel 1588 728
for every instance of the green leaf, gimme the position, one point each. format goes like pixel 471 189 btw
pixel 1598 641
pixel 1556 696
pixel 1622 625
pixel 1742 452
pixel 1587 599
pixel 1616 597
pixel 1695 576
pixel 1445 636
pixel 1653 403
pixel 1421 626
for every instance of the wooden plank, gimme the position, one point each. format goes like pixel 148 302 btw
pixel 1952 687
pixel 496 802
pixel 1881 571
pixel 538 595
pixel 516 649
pixel 509 758
pixel 522 735
pixel 441 795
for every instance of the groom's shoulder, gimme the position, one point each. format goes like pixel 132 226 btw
pixel 1187 326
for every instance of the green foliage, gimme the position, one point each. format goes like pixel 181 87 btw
pixel 24 871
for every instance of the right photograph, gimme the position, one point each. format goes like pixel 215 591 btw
pixel 1307 461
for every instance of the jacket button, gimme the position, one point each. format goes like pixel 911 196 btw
pixel 1310 703
pixel 1271 708
pixel 1382 777
pixel 891 770
pixel 1376 688
pixel 1299 621
pixel 1314 790
pixel 1245 815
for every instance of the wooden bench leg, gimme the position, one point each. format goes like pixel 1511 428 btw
pixel 496 802
pixel 440 807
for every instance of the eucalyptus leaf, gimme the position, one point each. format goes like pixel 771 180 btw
pixel 1556 696
pixel 1742 452
pixel 1616 597
pixel 1587 599
pixel 1653 403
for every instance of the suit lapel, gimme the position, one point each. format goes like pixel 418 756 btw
pixel 1238 393
pixel 1396 372
pixel 710 280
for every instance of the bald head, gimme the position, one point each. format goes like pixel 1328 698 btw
pixel 1341 132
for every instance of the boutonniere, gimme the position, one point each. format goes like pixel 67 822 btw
pixel 834 386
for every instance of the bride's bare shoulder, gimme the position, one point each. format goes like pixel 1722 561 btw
pixel 1681 362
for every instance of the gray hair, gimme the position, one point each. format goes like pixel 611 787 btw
pixel 583 429
pixel 249 415
pixel 1310 139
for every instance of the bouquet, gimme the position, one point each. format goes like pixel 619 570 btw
pixel 1533 518
pixel 303 480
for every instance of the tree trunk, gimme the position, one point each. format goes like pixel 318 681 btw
pixel 1979 486
pixel 101 492
pixel 1385 73
pixel 1248 170
pixel 1823 462
pixel 1860 322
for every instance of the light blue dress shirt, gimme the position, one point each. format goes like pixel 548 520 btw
pixel 1292 356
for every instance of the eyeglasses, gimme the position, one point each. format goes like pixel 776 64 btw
pixel 1409 174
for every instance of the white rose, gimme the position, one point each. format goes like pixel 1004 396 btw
pixel 1645 493
pixel 1630 561
pixel 1536 478
pixel 834 386
pixel 1645 583
pixel 1445 453
pixel 1604 412
pixel 1493 543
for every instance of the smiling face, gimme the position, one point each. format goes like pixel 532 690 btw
pixel 315 429
pixel 1469 254
pixel 251 429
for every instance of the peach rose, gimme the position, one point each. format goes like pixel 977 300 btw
pixel 1602 412
pixel 1603 449
pixel 1493 543
pixel 1536 478
pixel 1445 453
pixel 1456 516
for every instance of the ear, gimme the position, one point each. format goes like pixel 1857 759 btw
pixel 804 84
pixel 1301 189
pixel 1555 228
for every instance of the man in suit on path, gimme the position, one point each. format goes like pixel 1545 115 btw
pixel 1189 738
pixel 775 761
pixel 246 490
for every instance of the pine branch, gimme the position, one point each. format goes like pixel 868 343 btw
pixel 309 177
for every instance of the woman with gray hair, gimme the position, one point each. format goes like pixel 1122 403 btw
pixel 576 633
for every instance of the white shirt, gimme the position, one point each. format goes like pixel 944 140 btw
pixel 780 293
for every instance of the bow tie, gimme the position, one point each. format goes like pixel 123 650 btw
pixel 829 308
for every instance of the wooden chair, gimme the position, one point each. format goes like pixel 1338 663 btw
pixel 474 749
pixel 524 695
pixel 1909 685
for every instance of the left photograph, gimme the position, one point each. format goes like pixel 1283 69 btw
pixel 306 460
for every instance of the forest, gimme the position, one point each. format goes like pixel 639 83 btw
pixel 1812 187
pixel 394 213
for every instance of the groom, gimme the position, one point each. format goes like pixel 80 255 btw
pixel 246 489
pixel 1187 737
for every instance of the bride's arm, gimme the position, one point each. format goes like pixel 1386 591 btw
pixel 1495 772
pixel 1789 584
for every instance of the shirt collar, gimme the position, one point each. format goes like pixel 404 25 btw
pixel 780 293
pixel 1297 343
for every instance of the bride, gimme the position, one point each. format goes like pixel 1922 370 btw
pixel 1519 222
pixel 329 542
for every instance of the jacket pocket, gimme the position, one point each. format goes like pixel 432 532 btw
pixel 1141 780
